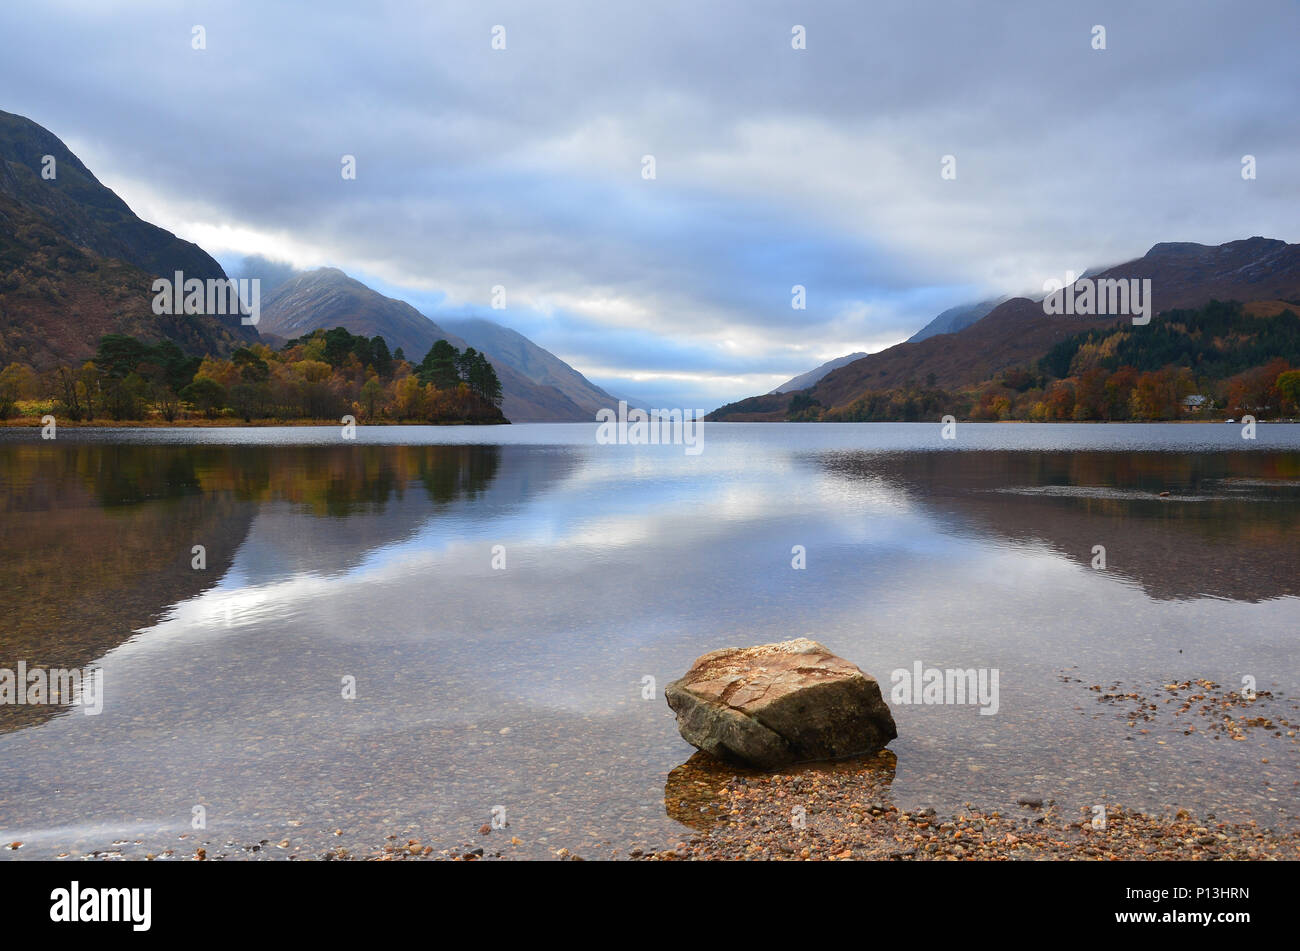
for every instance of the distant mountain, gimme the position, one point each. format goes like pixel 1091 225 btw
pixel 76 263
pixel 327 298
pixel 270 274
pixel 1018 332
pixel 955 319
pixel 526 402
pixel 805 380
pixel 950 321
pixel 505 346
pixel 85 212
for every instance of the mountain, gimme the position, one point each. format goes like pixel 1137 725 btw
pixel 526 402
pixel 326 298
pixel 950 321
pixel 511 348
pixel 76 263
pixel 805 380
pixel 57 300
pixel 955 319
pixel 269 274
pixel 85 212
pixel 1018 332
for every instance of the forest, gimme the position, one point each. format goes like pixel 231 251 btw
pixel 322 376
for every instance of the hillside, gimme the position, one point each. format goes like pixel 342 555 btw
pixel 76 263
pixel 805 380
pixel 1018 332
pixel 85 212
pixel 57 300
pixel 513 349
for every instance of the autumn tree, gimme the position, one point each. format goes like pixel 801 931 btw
pixel 1288 387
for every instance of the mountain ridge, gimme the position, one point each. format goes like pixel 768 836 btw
pixel 76 263
pixel 956 319
pixel 84 210
pixel 1183 274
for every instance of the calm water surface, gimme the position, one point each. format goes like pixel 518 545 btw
pixel 522 687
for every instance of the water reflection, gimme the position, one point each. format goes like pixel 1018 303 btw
pixel 693 797
pixel 523 686
pixel 98 538
pixel 1228 526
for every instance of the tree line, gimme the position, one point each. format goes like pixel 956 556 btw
pixel 323 375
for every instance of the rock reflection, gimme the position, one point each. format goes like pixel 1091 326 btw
pixel 694 791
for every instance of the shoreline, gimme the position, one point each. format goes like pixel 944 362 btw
pixel 844 810
pixel 30 422
pixel 841 810
pixel 34 422
pixel 847 814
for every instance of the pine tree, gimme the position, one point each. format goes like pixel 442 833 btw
pixel 441 366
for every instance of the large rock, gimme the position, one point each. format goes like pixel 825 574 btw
pixel 780 703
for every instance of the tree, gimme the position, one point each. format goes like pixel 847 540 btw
pixel 206 395
pixel 383 360
pixel 372 391
pixel 179 369
pixel 338 344
pixel 70 393
pixel 482 378
pixel 88 379
pixel 1255 391
pixel 1060 400
pixel 16 382
pixel 249 399
pixel 465 363
pixel 408 397
pixel 1159 393
pixel 119 354
pixel 160 391
pixel 441 366
pixel 363 350
pixel 125 398
pixel 803 407
pixel 1288 387
pixel 1090 400
pixel 252 368
pixel 1119 393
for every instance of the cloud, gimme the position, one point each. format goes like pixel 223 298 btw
pixel 523 167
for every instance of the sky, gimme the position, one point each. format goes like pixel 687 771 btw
pixel 524 167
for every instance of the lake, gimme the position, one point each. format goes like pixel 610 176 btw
pixel 497 598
